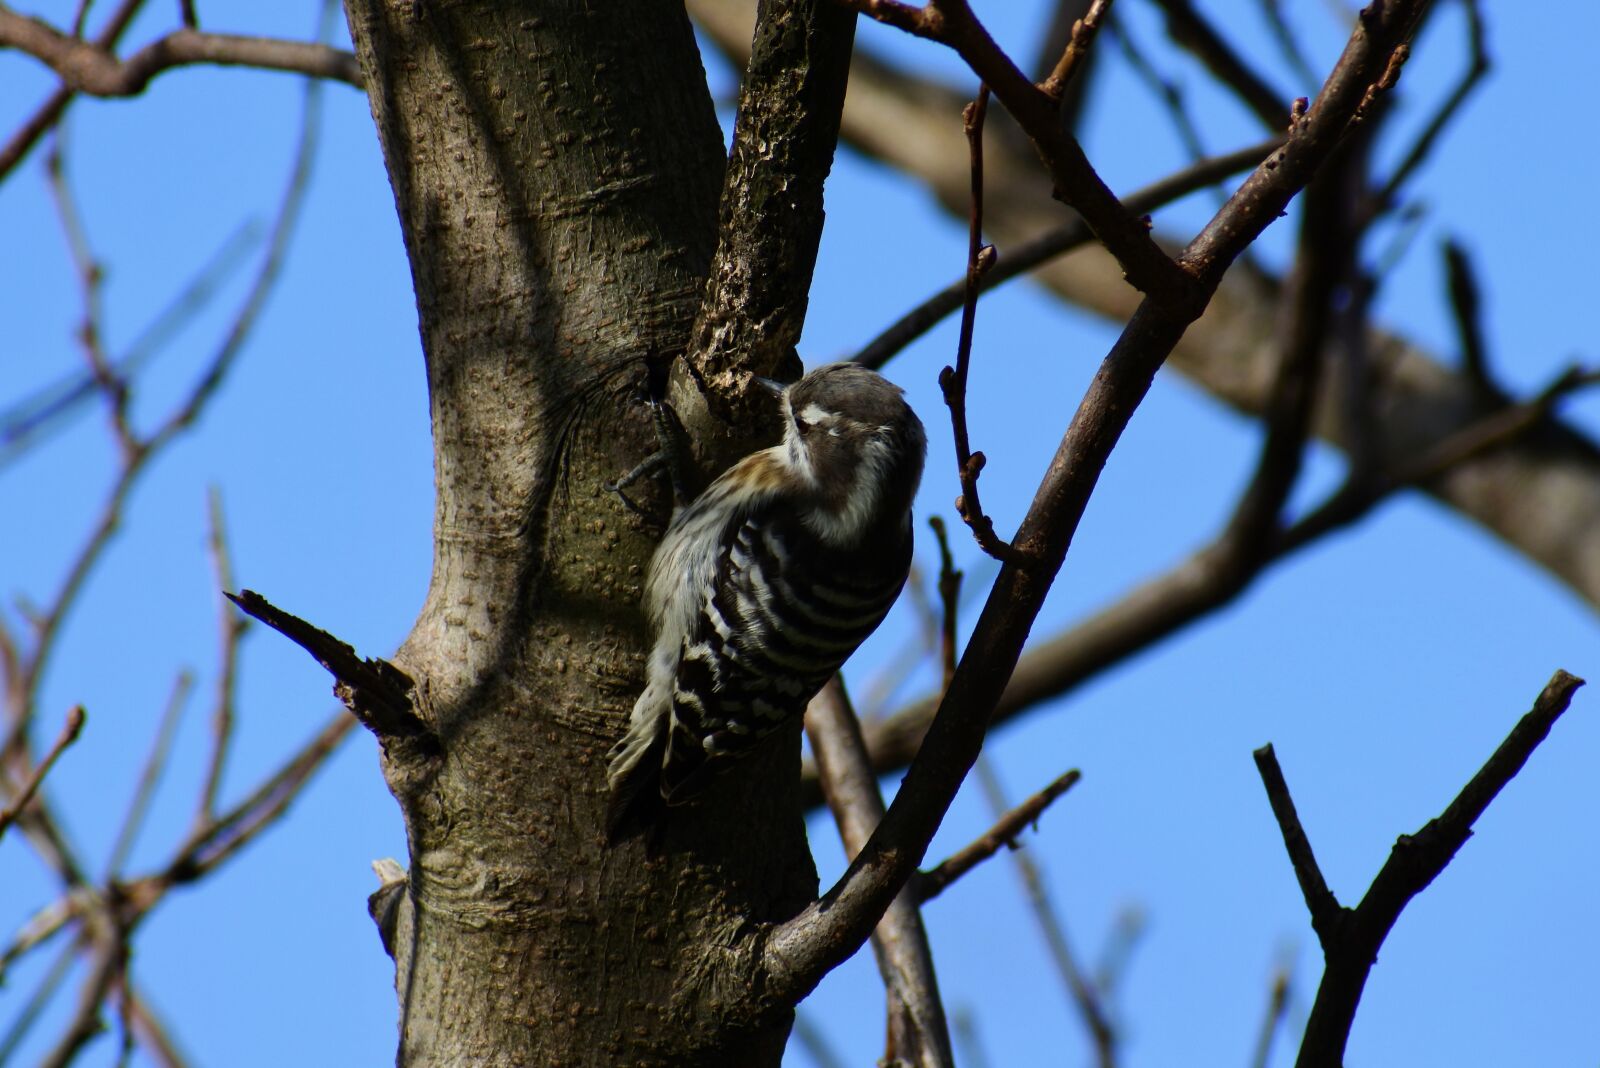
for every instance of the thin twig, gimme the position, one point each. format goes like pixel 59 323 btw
pixel 19 801
pixel 28 419
pixel 973 1052
pixel 1466 309
pixel 1023 258
pixel 80 17
pixel 1116 954
pixel 949 601
pixel 1195 35
pixel 40 928
pixel 1170 94
pixel 1293 54
pixel 952 23
pixel 283 228
pixel 1077 51
pixel 1272 1019
pixel 953 381
pixel 208 847
pixel 154 1035
pixel 1325 254
pixel 1478 67
pixel 1082 993
pixel 1003 835
pixel 38 1000
pixel 91 281
pixel 107 959
pixel 150 777
pixel 232 628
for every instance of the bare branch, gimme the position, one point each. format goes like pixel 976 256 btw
pixel 207 848
pixel 108 957
pixel 815 1043
pixel 1272 1020
pixel 1020 259
pixel 800 951
pixel 49 113
pixel 1478 67
pixel 1082 993
pixel 784 138
pixel 232 628
pixel 40 928
pixel 1192 32
pixel 1326 913
pixel 377 692
pixel 92 69
pixel 952 23
pixel 153 1034
pixel 1003 835
pixel 28 419
pixel 1466 310
pixel 953 381
pixel 918 1032
pixel 19 800
pixel 150 776
pixel 1351 938
pixel 39 1000
pixel 1077 51
pixel 1170 93
pixel 1272 13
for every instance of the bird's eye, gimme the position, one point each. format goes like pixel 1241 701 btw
pixel 801 425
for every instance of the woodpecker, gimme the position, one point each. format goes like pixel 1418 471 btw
pixel 767 581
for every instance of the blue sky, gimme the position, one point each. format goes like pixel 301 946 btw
pixel 1385 664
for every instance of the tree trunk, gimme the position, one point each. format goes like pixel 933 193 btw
pixel 556 167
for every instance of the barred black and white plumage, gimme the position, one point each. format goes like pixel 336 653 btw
pixel 767 582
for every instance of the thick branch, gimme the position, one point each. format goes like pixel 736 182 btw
pixel 93 69
pixel 771 209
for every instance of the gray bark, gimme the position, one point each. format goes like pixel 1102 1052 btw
pixel 556 168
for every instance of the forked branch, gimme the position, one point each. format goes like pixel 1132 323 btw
pixel 91 68
pixel 1351 938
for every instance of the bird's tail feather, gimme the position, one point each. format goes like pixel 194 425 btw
pixel 635 777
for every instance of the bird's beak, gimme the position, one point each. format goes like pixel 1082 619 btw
pixel 773 385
